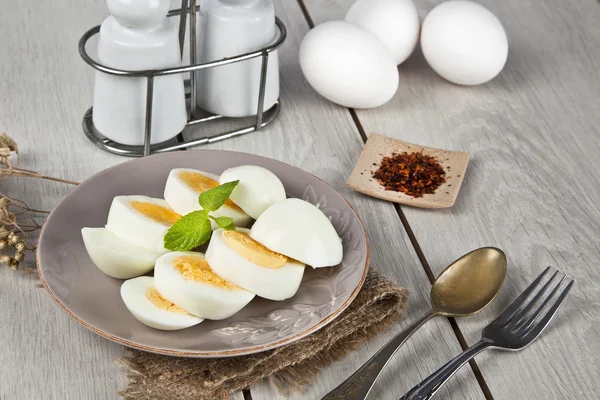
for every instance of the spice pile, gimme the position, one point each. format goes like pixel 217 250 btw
pixel 414 174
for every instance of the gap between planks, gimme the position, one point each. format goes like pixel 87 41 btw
pixel 413 240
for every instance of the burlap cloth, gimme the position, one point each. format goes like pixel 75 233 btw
pixel 379 303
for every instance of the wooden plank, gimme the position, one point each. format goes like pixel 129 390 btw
pixel 532 185
pixel 45 92
pixel 43 112
pixel 321 138
pixel 46 89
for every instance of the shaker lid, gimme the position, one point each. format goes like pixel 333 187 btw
pixel 139 13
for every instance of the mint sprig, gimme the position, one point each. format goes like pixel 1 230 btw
pixel 224 222
pixel 190 231
pixel 194 229
pixel 213 199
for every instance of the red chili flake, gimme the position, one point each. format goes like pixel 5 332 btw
pixel 414 174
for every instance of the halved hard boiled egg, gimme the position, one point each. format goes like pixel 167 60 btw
pixel 258 189
pixel 141 220
pixel 299 230
pixel 186 279
pixel 184 187
pixel 145 303
pixel 117 257
pixel 235 256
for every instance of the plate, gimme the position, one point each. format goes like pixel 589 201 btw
pixel 379 146
pixel 92 298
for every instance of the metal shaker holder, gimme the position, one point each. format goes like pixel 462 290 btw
pixel 263 117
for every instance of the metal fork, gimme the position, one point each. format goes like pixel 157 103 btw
pixel 516 328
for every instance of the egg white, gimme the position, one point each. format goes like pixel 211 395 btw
pixel 132 226
pixel 184 199
pixel 202 299
pixel 133 293
pixel 258 188
pixel 117 257
pixel 269 283
pixel 299 230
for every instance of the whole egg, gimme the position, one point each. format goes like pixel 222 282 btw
pixel 348 65
pixel 464 42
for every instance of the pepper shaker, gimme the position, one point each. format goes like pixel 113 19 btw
pixel 228 28
pixel 138 36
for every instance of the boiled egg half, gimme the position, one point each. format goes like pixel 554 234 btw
pixel 299 230
pixel 257 190
pixel 187 280
pixel 117 257
pixel 235 256
pixel 147 305
pixel 141 220
pixel 184 187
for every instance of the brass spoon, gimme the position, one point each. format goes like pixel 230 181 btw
pixel 464 288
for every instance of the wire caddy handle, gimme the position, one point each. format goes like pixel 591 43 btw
pixel 262 119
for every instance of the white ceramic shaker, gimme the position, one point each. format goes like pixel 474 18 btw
pixel 138 36
pixel 228 28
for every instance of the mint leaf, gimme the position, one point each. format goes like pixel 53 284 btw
pixel 224 222
pixel 190 231
pixel 213 199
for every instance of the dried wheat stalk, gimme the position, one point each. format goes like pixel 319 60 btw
pixel 16 219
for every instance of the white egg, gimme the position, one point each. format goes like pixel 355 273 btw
pixel 117 257
pixel 241 260
pixel 394 22
pixel 184 187
pixel 464 42
pixel 299 230
pixel 258 188
pixel 348 65
pixel 141 220
pixel 147 306
pixel 187 280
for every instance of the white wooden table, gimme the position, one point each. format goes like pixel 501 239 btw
pixel 532 189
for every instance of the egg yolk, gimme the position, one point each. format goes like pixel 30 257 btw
pixel 155 298
pixel 197 269
pixel 251 250
pixel 201 183
pixel 158 213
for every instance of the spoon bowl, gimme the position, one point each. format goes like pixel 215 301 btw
pixel 470 283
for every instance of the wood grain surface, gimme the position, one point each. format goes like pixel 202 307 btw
pixel 44 91
pixel 532 186
pixel 531 189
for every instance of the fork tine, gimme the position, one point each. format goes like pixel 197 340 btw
pixel 528 317
pixel 541 324
pixel 515 305
pixel 521 314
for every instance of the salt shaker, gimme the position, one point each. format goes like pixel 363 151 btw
pixel 228 28
pixel 138 36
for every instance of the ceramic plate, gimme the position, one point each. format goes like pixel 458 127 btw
pixel 92 298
